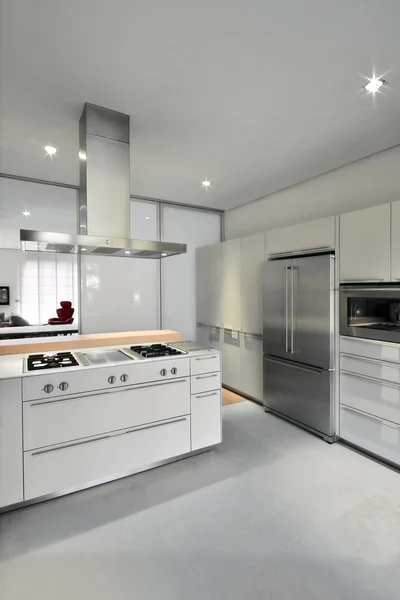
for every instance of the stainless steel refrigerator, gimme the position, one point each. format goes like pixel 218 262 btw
pixel 299 341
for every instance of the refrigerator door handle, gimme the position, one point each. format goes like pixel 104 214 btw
pixel 298 366
pixel 292 322
pixel 287 269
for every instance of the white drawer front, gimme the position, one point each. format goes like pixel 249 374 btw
pixel 375 350
pixel 59 469
pixel 205 364
pixel 378 370
pixel 48 422
pixel 97 378
pixel 373 435
pixel 206 419
pixel 375 398
pixel 205 382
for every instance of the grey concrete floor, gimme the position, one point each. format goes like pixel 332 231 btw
pixel 272 513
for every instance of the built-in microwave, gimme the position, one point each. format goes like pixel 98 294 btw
pixel 371 312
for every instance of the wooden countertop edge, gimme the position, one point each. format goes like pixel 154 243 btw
pixel 27 346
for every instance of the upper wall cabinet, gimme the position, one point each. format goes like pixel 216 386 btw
pixel 395 242
pixel 252 288
pixel 232 284
pixel 365 245
pixel 313 235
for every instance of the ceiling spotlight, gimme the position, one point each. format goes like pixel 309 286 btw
pixel 82 155
pixel 147 218
pixel 127 251
pixel 163 254
pixel 206 183
pixel 26 213
pixel 83 249
pixel 374 85
pixel 50 150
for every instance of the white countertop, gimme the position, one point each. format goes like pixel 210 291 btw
pixel 11 366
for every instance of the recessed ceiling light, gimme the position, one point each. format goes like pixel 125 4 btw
pixel 163 254
pixel 147 218
pixel 50 150
pixel 127 252
pixel 83 249
pixel 82 155
pixel 374 85
pixel 206 183
pixel 26 213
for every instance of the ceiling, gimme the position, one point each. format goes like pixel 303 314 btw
pixel 255 96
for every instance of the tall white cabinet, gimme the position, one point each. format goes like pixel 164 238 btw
pixel 395 242
pixel 232 284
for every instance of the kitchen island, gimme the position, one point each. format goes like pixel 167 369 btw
pixel 90 415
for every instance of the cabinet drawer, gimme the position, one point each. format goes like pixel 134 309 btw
pixel 205 364
pixel 373 397
pixel 63 468
pixel 205 382
pixel 371 368
pixel 206 419
pixel 371 434
pixel 386 352
pixel 48 422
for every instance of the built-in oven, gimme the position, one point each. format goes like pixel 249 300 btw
pixel 371 312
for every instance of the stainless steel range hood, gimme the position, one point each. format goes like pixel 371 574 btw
pixel 104 196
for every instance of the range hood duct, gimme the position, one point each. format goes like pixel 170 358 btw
pixel 104 196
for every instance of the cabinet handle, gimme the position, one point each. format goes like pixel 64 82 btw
pixel 376 361
pixel 206 357
pixel 362 414
pixel 81 443
pixel 371 379
pixel 292 252
pixel 207 376
pixel 154 425
pixel 207 395
pixel 259 336
pixel 363 280
pixel 58 400
pixel 299 367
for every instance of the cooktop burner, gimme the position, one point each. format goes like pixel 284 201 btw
pixel 156 351
pixel 40 362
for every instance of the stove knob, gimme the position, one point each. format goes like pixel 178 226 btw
pixel 174 370
pixel 63 386
pixel 111 379
pixel 163 372
pixel 48 388
pixel 124 377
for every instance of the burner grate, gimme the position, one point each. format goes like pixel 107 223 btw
pixel 41 362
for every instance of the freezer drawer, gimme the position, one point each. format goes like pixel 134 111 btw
pixel 301 393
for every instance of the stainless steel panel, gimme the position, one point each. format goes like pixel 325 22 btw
pixel 312 306
pixel 106 123
pixel 301 393
pixel 276 309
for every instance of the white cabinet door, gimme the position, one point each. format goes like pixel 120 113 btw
pixel 202 284
pixel 11 488
pixel 313 235
pixel 216 338
pixel 252 367
pixel 232 284
pixel 214 287
pixel 232 360
pixel 395 242
pixel 202 336
pixel 365 245
pixel 205 419
pixel 252 283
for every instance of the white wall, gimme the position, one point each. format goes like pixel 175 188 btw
pixel 10 275
pixel 373 180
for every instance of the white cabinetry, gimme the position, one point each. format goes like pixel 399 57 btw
pixel 202 281
pixel 206 419
pixel 232 284
pixel 365 245
pixel 252 366
pixel 11 486
pixel 252 283
pixel 395 242
pixel 313 235
pixel 209 285
pixel 232 360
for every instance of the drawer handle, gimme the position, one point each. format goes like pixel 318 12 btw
pixel 207 395
pixel 207 376
pixel 81 443
pixel 371 379
pixel 154 425
pixel 362 414
pixel 377 361
pixel 348 280
pixel 259 336
pixel 206 357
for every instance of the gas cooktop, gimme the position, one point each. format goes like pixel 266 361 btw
pixel 41 362
pixel 156 351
